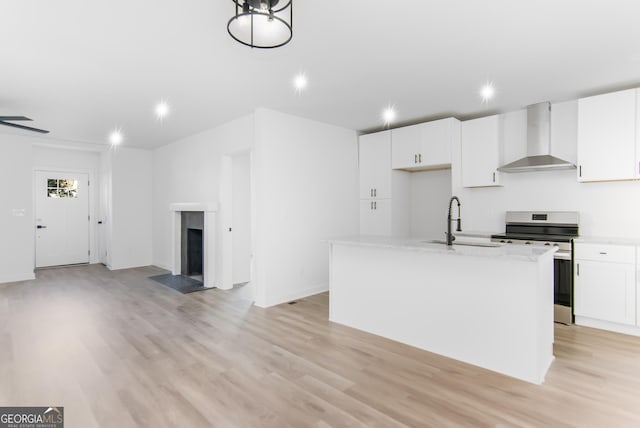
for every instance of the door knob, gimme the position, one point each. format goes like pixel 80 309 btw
pixel 41 226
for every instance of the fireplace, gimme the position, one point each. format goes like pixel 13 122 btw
pixel 194 245
pixel 192 253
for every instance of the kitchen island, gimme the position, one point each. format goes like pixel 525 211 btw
pixel 487 306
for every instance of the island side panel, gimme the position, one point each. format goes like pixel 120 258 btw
pixel 545 328
pixel 480 310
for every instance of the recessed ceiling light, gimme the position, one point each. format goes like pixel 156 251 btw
pixel 300 82
pixel 487 92
pixel 115 138
pixel 389 115
pixel 162 110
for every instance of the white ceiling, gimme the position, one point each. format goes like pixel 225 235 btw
pixel 81 68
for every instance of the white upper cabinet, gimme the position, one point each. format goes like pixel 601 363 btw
pixel 375 165
pixel 424 146
pixel 607 137
pixel 481 147
pixel 406 144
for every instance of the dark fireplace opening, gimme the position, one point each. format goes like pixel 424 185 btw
pixel 192 256
pixel 194 252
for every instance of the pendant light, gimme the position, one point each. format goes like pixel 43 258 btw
pixel 262 23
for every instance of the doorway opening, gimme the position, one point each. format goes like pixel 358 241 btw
pixel 237 243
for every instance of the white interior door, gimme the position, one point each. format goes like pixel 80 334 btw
pixel 62 218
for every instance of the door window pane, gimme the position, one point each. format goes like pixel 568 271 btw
pixel 62 188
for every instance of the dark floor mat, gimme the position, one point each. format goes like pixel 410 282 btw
pixel 180 283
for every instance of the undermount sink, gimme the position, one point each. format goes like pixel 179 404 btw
pixel 467 244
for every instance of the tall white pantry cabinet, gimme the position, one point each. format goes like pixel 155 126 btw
pixel 384 193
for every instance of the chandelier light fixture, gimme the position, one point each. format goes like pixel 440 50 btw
pixel 262 23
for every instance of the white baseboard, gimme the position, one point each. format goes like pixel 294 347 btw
pixel 17 277
pixel 163 266
pixel 606 325
pixel 121 267
pixel 299 294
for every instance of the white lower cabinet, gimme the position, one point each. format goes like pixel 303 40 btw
pixel 606 291
pixel 605 283
pixel 375 217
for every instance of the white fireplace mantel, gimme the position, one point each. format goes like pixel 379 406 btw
pixel 208 238
pixel 194 206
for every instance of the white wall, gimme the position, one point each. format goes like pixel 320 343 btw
pixel 429 194
pixel 51 158
pixel 606 209
pixel 131 208
pixel 306 191
pixel 16 209
pixel 189 171
pixel 126 210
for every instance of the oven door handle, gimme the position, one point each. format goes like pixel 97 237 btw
pixel 562 255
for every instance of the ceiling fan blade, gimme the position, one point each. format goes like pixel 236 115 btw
pixel 3 118
pixel 28 128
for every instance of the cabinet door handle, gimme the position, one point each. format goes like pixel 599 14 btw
pixel 371 205
pixel 580 171
pixel 604 253
pixel 371 192
pixel 578 267
pixel 415 158
pixel 375 193
pixel 419 157
pixel 375 205
pixel 494 177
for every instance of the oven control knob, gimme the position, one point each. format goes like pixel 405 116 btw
pixel 509 242
pixel 502 241
pixel 527 243
pixel 547 243
pixel 556 245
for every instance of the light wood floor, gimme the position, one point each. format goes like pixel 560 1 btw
pixel 118 350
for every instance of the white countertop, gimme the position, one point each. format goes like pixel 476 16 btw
pixel 609 240
pixel 519 252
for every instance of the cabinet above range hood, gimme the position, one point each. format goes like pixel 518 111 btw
pixel 539 156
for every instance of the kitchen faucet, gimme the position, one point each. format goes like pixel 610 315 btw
pixel 450 237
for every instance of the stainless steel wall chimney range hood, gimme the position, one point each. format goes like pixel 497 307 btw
pixel 538 144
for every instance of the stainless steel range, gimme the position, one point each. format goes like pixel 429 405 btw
pixel 548 228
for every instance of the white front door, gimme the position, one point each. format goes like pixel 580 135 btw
pixel 62 218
